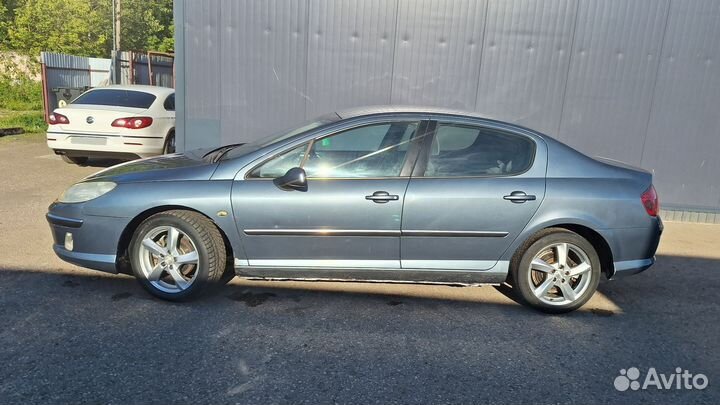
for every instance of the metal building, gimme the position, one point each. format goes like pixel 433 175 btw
pixel 634 80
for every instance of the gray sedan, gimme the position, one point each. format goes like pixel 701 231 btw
pixel 382 194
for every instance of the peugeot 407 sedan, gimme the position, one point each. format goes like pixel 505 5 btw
pixel 382 194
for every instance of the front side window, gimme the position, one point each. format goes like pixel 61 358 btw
pixel 371 151
pixel 279 165
pixel 463 150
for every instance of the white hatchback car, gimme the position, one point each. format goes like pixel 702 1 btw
pixel 119 122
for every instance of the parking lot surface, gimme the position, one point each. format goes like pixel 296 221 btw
pixel 69 335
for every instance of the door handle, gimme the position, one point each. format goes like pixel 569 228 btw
pixel 519 197
pixel 381 197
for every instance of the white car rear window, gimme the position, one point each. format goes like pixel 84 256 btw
pixel 116 97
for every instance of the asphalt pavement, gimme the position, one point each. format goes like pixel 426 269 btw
pixel 69 335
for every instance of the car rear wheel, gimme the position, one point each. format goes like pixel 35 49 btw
pixel 76 160
pixel 169 146
pixel 177 255
pixel 556 272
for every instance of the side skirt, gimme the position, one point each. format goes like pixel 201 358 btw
pixel 496 275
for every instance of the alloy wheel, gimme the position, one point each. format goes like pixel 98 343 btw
pixel 560 274
pixel 169 259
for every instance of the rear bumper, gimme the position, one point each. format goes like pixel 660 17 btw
pixel 630 267
pixel 636 249
pixel 98 145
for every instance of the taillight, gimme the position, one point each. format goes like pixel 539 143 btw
pixel 133 122
pixel 56 118
pixel 650 201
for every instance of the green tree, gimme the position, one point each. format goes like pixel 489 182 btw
pixel 4 19
pixel 167 44
pixel 77 27
pixel 146 25
pixel 84 27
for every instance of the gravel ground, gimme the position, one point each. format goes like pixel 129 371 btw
pixel 68 335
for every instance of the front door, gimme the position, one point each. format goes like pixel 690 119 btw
pixel 473 191
pixel 350 215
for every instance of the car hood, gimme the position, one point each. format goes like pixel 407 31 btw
pixel 175 167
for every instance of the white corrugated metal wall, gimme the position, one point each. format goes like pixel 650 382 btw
pixel 633 80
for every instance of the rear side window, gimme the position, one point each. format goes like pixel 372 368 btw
pixel 170 103
pixel 463 150
pixel 116 97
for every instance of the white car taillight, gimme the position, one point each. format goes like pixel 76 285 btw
pixel 56 118
pixel 133 122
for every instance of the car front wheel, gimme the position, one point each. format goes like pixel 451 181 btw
pixel 556 272
pixel 176 255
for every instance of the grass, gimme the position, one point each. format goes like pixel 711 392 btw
pixel 30 121
pixel 21 107
pixel 20 95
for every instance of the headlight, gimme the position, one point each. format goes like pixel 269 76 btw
pixel 86 191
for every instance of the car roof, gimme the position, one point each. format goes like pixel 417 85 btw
pixel 431 111
pixel 407 109
pixel 156 90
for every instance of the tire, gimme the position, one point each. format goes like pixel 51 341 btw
pixel 544 282
pixel 76 160
pixel 169 146
pixel 197 263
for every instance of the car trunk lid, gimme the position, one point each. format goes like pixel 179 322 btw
pixel 622 169
pixel 623 165
pixel 96 119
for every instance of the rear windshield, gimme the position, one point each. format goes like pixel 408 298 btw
pixel 117 97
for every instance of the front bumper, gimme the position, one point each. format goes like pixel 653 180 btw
pixel 93 261
pixel 95 238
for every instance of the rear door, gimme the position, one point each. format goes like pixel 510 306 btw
pixel 474 189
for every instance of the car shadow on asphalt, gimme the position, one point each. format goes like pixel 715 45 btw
pixel 643 292
pixel 68 331
pixel 97 288
pixel 102 163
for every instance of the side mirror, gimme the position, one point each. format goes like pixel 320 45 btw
pixel 294 179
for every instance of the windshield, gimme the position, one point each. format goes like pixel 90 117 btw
pixel 279 136
pixel 116 97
